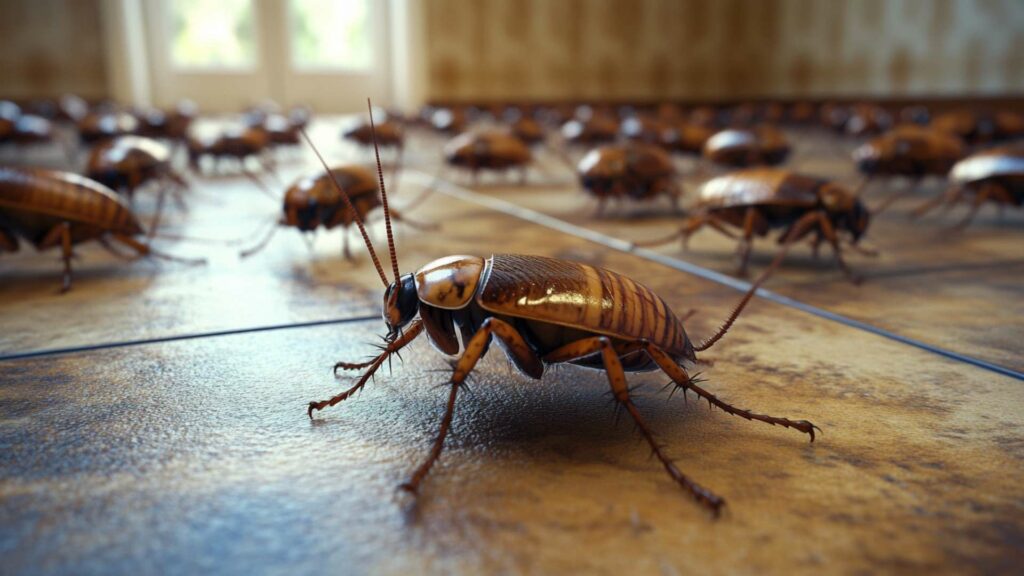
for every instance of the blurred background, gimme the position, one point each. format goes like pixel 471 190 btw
pixel 331 54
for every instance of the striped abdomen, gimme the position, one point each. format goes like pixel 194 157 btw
pixel 583 297
pixel 43 196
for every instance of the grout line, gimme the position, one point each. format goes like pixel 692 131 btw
pixel 197 335
pixel 527 214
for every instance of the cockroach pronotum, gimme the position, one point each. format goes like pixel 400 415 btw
pixel 758 200
pixel 995 175
pixel 314 202
pixel 979 126
pixel 635 171
pixel 911 151
pixel 544 311
pixel 488 150
pixel 760 145
pixel 643 129
pixel 50 208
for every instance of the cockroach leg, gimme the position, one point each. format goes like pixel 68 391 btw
pixel 8 241
pixel 620 389
pixel 520 352
pixel 413 485
pixel 410 334
pixel 829 232
pixel 61 233
pixel 678 375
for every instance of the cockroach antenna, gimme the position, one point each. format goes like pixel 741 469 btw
pixel 348 202
pixel 383 195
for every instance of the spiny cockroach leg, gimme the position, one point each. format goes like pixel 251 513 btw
pixel 682 379
pixel 414 330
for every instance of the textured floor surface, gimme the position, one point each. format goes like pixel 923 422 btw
pixel 153 420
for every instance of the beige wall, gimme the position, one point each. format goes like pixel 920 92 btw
pixel 50 47
pixel 650 49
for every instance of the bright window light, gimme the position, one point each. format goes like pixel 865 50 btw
pixel 212 34
pixel 331 34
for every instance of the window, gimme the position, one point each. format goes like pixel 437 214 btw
pixel 212 34
pixel 331 34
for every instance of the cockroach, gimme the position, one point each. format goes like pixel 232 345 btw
pixel 31 129
pixel 299 116
pixel 239 144
pixel 49 208
pixel 99 126
pixel 280 131
pixel 448 120
pixel 634 170
pixel 314 202
pixel 867 120
pixel 544 311
pixel 526 129
pixel 9 114
pixel 643 129
pixel 488 150
pixel 71 108
pixel 760 145
pixel 834 116
pixel 597 129
pixel 801 113
pixel 389 135
pixel 168 125
pixel 685 137
pixel 129 162
pixel 759 200
pixel 995 175
pixel 908 150
pixel 980 126
pixel 916 114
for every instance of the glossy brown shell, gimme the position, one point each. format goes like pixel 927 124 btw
pixel 760 186
pixel 582 297
pixel 128 153
pixel 388 134
pixel 449 282
pixel 595 130
pixel 758 145
pixel 65 196
pixel 1000 162
pixel 317 193
pixel 686 137
pixel 640 161
pixel 492 149
pixel 909 148
pixel 528 130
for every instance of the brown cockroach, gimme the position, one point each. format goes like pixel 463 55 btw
pixel 759 200
pixel 314 202
pixel 238 144
pixel 128 162
pixel 909 150
pixel 834 116
pixel 9 114
pixel 643 129
pixel 592 131
pixel 50 208
pixel 448 120
pixel 995 175
pixel 169 125
pixel 99 126
pixel 867 120
pixel 488 150
pixel 71 108
pixel 544 311
pixel 30 129
pixel 634 170
pixel 280 131
pixel 389 134
pixel 761 145
pixel 980 126
pixel 526 129
pixel 685 137
pixel 801 113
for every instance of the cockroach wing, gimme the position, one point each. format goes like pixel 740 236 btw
pixel 582 297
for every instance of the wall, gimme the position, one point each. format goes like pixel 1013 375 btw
pixel 697 49
pixel 50 47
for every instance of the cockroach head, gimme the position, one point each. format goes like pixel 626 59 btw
pixel 401 303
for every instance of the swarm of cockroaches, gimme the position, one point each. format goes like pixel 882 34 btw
pixel 544 311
